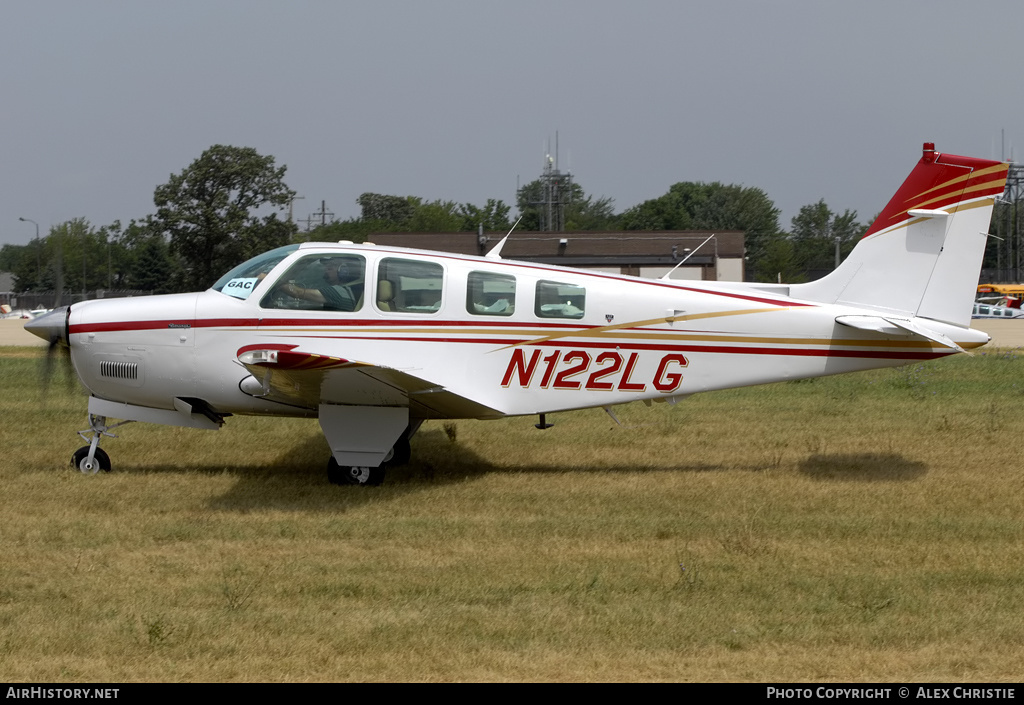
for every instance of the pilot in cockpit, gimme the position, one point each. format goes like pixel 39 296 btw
pixel 342 289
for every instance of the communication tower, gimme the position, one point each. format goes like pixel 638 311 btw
pixel 1007 227
pixel 555 194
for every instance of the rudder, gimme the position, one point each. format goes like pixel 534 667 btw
pixel 922 255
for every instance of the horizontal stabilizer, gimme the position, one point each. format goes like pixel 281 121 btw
pixel 890 325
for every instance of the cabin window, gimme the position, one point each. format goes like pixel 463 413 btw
pixel 410 286
pixel 555 300
pixel 320 283
pixel 489 294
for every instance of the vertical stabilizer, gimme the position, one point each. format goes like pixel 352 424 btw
pixel 923 254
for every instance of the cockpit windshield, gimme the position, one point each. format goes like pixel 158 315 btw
pixel 241 280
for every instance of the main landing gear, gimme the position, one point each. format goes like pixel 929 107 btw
pixel 367 476
pixel 91 459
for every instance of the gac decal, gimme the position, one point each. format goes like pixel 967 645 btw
pixel 578 369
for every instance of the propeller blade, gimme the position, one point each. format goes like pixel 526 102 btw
pixel 53 328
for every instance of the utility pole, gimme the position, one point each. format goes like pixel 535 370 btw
pixel 323 213
pixel 39 269
pixel 291 204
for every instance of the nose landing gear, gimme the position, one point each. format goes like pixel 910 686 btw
pixel 91 459
pixel 90 466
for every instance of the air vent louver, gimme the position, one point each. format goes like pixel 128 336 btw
pixel 119 370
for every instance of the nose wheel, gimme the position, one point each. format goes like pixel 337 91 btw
pixel 90 466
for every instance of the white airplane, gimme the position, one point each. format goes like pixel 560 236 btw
pixel 374 340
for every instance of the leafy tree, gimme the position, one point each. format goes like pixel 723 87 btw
pixel 778 262
pixel 493 216
pixel 384 213
pixel 354 229
pixel 147 262
pixel 434 217
pixel 815 231
pixel 673 211
pixel 396 210
pixel 702 206
pixel 215 211
pixel 70 251
pixel 74 257
pixel 152 268
pixel 20 260
pixel 590 213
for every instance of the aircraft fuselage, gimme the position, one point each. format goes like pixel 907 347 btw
pixel 614 339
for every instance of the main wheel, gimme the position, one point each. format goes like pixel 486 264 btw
pixel 399 454
pixel 353 475
pixel 80 460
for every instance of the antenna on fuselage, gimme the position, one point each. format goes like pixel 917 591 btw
pixel 495 252
pixel 691 254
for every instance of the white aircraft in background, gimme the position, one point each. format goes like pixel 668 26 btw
pixel 374 340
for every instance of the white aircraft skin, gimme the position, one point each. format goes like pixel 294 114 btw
pixel 560 339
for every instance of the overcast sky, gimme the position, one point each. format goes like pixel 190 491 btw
pixel 102 100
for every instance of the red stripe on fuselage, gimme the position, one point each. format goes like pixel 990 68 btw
pixel 659 347
pixel 561 342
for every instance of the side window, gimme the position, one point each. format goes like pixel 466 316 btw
pixel 556 300
pixel 320 283
pixel 490 294
pixel 410 286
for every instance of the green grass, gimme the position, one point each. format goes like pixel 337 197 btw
pixel 857 528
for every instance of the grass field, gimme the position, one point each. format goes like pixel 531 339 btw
pixel 858 528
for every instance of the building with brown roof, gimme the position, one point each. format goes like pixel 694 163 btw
pixel 709 255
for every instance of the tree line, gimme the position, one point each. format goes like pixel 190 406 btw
pixel 227 206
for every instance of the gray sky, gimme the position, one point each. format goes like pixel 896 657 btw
pixel 102 100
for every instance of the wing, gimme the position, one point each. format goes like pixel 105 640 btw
pixel 289 376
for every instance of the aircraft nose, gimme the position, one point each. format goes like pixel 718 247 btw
pixel 53 327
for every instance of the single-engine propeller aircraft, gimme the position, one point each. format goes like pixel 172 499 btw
pixel 374 340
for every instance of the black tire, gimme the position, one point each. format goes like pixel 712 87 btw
pixel 81 455
pixel 399 455
pixel 346 475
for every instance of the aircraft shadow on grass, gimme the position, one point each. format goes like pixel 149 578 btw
pixel 295 481
pixel 867 467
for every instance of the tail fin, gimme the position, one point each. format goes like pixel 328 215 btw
pixel 923 254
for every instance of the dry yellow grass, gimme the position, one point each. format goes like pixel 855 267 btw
pixel 863 528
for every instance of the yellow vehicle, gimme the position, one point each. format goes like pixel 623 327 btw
pixel 1009 295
